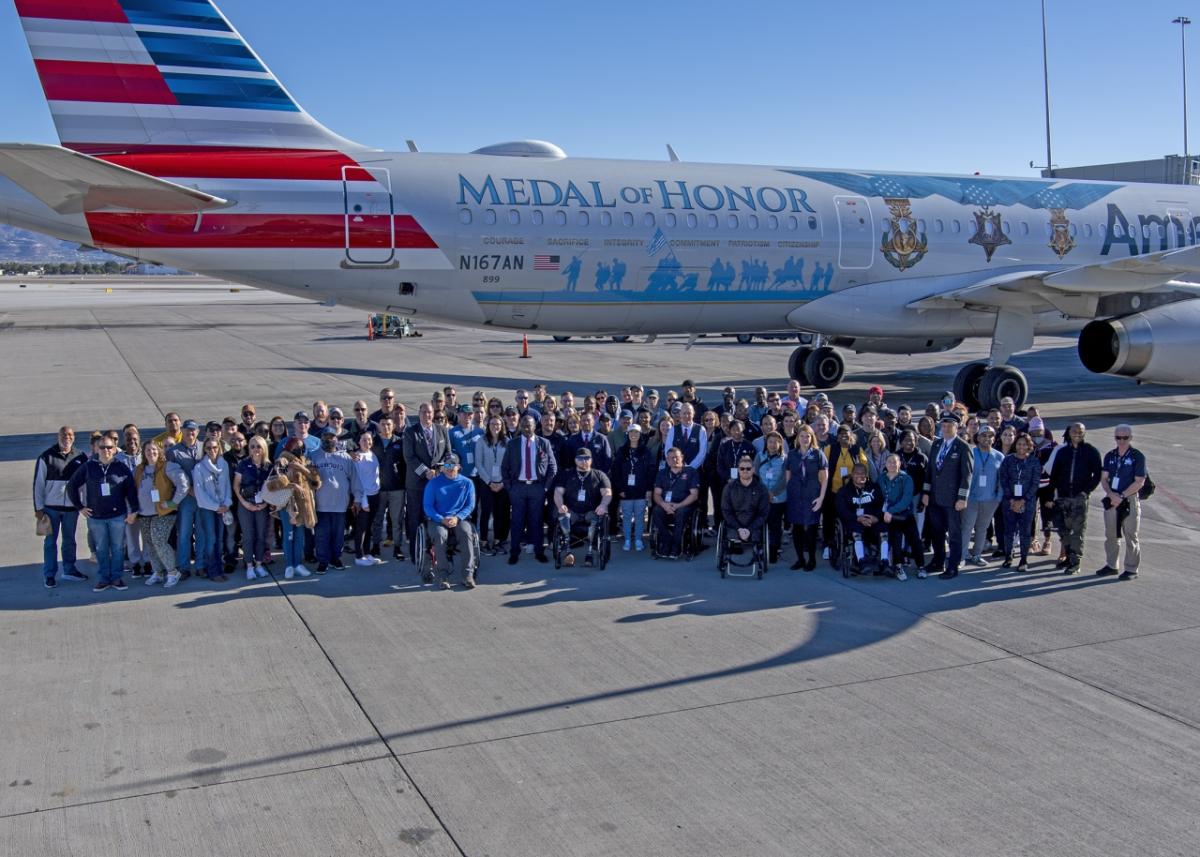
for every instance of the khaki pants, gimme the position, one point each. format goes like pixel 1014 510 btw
pixel 1129 530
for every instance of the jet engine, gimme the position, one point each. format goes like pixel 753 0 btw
pixel 1160 345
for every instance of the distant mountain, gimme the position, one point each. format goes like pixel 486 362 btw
pixel 17 245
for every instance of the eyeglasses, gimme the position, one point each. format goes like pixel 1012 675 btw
pixel 1123 436
pixel 360 410
pixel 248 413
pixel 206 449
pixel 108 448
pixel 337 417
pixel 748 469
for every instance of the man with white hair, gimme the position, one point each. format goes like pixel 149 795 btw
pixel 1122 477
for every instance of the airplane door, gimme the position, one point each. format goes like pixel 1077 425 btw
pixel 370 226
pixel 1179 228
pixel 856 233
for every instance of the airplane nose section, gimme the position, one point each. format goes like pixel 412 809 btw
pixel 859 311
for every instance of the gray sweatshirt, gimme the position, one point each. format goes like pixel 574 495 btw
pixel 339 481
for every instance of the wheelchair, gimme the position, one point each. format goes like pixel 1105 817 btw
pixel 426 555
pixel 844 559
pixel 600 546
pixel 693 538
pixel 736 558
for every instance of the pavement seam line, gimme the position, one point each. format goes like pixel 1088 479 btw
pixel 125 360
pixel 371 721
pixel 195 787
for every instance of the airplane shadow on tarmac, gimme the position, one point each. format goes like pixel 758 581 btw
pixel 852 613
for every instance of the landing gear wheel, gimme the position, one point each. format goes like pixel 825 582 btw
pixel 966 385
pixel 1001 382
pixel 561 338
pixel 745 338
pixel 825 368
pixel 620 339
pixel 797 362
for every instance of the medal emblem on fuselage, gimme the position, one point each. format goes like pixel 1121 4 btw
pixel 989 231
pixel 1061 241
pixel 902 245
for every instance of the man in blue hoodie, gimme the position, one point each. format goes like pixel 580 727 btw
pixel 449 501
pixel 108 501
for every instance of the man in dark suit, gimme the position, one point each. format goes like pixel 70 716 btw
pixel 947 484
pixel 426 446
pixel 588 438
pixel 528 472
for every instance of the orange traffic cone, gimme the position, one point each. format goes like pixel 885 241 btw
pixel 524 346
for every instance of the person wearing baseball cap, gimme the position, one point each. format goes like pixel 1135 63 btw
pixel 582 497
pixel 947 487
pixel 463 435
pixel 449 502
pixel 300 425
pixel 186 454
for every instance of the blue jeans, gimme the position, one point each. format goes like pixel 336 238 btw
pixel 185 526
pixel 109 535
pixel 633 514
pixel 208 542
pixel 64 522
pixel 293 541
pixel 331 536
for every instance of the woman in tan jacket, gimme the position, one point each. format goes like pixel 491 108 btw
pixel 293 481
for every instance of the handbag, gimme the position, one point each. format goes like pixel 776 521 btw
pixel 279 496
pixel 44 526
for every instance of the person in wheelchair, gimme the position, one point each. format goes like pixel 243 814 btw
pixel 860 509
pixel 449 501
pixel 745 504
pixel 582 497
pixel 676 492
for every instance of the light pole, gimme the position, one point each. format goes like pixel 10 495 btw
pixel 1187 161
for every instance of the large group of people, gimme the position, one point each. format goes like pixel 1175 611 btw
pixel 878 487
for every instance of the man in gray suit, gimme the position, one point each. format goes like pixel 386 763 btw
pixel 426 446
pixel 947 484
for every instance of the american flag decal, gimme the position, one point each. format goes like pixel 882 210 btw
pixel 545 263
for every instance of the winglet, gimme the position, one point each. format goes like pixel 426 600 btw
pixel 671 153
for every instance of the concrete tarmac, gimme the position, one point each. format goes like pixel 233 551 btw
pixel 649 709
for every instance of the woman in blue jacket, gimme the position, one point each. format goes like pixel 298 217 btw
pixel 807 479
pixel 771 467
pixel 1019 477
pixel 899 517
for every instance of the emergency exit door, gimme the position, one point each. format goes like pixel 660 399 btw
pixel 856 234
pixel 370 225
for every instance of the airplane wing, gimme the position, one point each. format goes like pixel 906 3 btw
pixel 70 182
pixel 1073 291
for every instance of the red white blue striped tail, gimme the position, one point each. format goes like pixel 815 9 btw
pixel 160 75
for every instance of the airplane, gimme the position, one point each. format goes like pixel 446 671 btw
pixel 179 147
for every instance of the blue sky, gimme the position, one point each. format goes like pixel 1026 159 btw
pixel 932 86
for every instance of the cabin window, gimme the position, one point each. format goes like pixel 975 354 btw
pixel 772 221
pixel 1087 230
pixel 583 219
pixel 560 218
pixel 792 223
pixel 1071 229
pixel 955 227
pixel 605 218
pixel 732 220
pixel 939 226
pixel 670 220
pixel 535 217
pixel 489 216
pixel 464 216
pixel 1024 227
pixel 711 221
pixel 752 221
pixel 921 227
pixel 692 221
pixel 1007 227
pixel 648 218
pixel 514 216
pixel 627 218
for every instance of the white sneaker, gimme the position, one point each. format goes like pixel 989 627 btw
pixel 922 573
pixel 825 554
pixel 301 571
pixel 377 560
pixel 625 546
pixel 154 578
pixel 261 570
pixel 900 573
pixel 289 573
pixel 362 561
pixel 172 579
pixel 250 572
pixel 640 546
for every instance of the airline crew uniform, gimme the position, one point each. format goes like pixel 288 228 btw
pixel 947 481
pixel 675 488
pixel 596 443
pixel 1123 521
pixel 528 471
pixel 1019 485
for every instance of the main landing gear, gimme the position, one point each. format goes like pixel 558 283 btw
pixel 981 387
pixel 820 367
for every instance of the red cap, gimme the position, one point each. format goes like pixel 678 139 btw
pixel 875 389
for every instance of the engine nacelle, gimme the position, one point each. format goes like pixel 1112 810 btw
pixel 1160 345
pixel 894 344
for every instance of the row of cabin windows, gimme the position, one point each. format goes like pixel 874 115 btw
pixel 809 224
pixel 791 223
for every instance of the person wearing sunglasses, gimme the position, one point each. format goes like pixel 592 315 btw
pixel 360 424
pixel 745 503
pixel 212 488
pixel 103 491
pixel 53 471
pixel 1122 477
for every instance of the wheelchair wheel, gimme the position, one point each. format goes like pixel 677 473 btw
pixel 692 539
pixel 604 546
pixel 722 560
pixel 424 555
pixel 837 549
pixel 556 545
pixel 763 564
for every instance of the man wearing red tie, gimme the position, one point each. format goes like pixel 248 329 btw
pixel 528 471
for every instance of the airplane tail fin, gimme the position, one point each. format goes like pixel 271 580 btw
pixel 125 76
